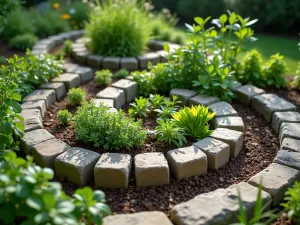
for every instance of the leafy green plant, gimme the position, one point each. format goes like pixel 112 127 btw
pixel 102 128
pixel 119 28
pixel 145 81
pixel 64 116
pixel 156 101
pixel 23 41
pixel 76 96
pixel 65 50
pixel 28 197
pixel 5 9
pixel 168 131
pixel 194 121
pixel 103 77
pixel 292 198
pixel 139 108
pixel 122 73
pixel 165 112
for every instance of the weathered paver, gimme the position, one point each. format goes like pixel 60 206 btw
pixel 151 57
pixel 80 55
pixel 275 180
pixel 34 137
pixel 288 158
pixel 112 170
pixel 39 94
pixel 58 87
pixel 32 119
pixel 217 152
pixel 291 130
pixel 112 63
pixel 290 144
pixel 267 104
pixel 187 162
pixel 202 99
pixel 129 87
pixel 233 138
pixel 140 218
pixel 222 109
pixel 107 102
pixel 77 165
pixel 218 207
pixel 46 152
pixel 35 104
pixel 70 67
pixel 116 94
pixel 129 63
pixel 235 85
pixel 94 60
pixel 280 117
pixel 230 122
pixel 85 73
pixel 183 95
pixel 156 44
pixel 71 80
pixel 151 169
pixel 245 93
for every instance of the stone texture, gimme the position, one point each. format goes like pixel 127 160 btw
pixel 233 138
pixel 151 169
pixel 129 87
pixel 59 88
pixel 77 165
pixel 222 109
pixel 112 170
pixel 275 180
pixel 235 85
pixel 291 130
pixel 156 44
pixel 245 93
pixel 112 63
pixel 140 218
pixel 32 119
pixel 46 152
pixel 218 207
pixel 288 158
pixel 150 57
pixel 116 94
pixel 230 122
pixel 291 144
pixel 85 73
pixel 33 138
pixel 108 102
pixel 94 60
pixel 36 104
pixel 39 94
pixel 70 67
pixel 129 63
pixel 81 55
pixel 183 95
pixel 187 162
pixel 71 80
pixel 217 152
pixel 202 99
pixel 267 104
pixel 279 117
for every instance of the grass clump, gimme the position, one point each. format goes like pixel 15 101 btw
pixel 103 77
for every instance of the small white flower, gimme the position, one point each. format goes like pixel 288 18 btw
pixel 72 11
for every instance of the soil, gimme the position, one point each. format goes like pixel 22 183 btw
pixel 7 52
pixel 283 220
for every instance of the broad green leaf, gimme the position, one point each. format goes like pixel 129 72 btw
pixel 34 202
pixel 223 18
pixel 199 20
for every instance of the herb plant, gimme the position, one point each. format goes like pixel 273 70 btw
pixel 76 96
pixel 293 203
pixel 122 73
pixel 23 41
pixel 103 77
pixel 165 112
pixel 139 108
pixel 64 116
pixel 156 101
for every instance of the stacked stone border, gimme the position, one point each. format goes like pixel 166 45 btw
pixel 216 207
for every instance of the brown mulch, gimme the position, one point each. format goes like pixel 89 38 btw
pixel 7 52
pixel 283 220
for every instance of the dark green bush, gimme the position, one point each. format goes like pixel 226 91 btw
pixel 79 13
pixel 23 41
pixel 5 8
pixel 122 73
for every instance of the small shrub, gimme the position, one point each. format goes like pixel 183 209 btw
pixel 139 108
pixel 2 60
pixel 23 41
pixel 145 80
pixel 103 77
pixel 103 128
pixel 76 96
pixel 194 121
pixel 122 73
pixel 64 116
pixel 293 203
pixel 168 131
pixel 156 101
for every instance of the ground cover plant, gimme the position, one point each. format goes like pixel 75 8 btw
pixel 76 96
pixel 292 204
pixel 64 116
pixel 103 77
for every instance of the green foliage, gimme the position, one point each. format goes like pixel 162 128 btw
pixel 139 108
pixel 168 131
pixel 28 197
pixel 122 73
pixel 194 121
pixel 103 128
pixel 293 203
pixel 167 108
pixel 79 12
pixel 119 29
pixel 103 77
pixel 145 81
pixel 6 6
pixel 23 41
pixel 64 116
pixel 156 101
pixel 65 50
pixel 274 71
pixel 2 60
pixel 76 96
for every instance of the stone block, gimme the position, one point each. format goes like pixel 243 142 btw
pixel 151 169
pixel 245 93
pixel 288 158
pixel 217 152
pixel 150 57
pixel 35 104
pixel 129 63
pixel 156 44
pixel 85 73
pixel 129 87
pixel 94 60
pixel 46 152
pixel 32 119
pixel 187 162
pixel 275 180
pixel 230 122
pixel 233 138
pixel 107 102
pixel 280 117
pixel 71 80
pixel 222 109
pixel 116 94
pixel 81 55
pixel 112 170
pixel 112 63
pixel 202 99
pixel 183 95
pixel 291 130
pixel 39 94
pixel 77 165
pixel 267 104
pixel 290 144
pixel 70 67
pixel 235 85
pixel 59 88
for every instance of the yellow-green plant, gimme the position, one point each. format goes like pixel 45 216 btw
pixel 292 198
pixel 64 116
pixel 76 96
pixel 139 108
pixel 103 77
